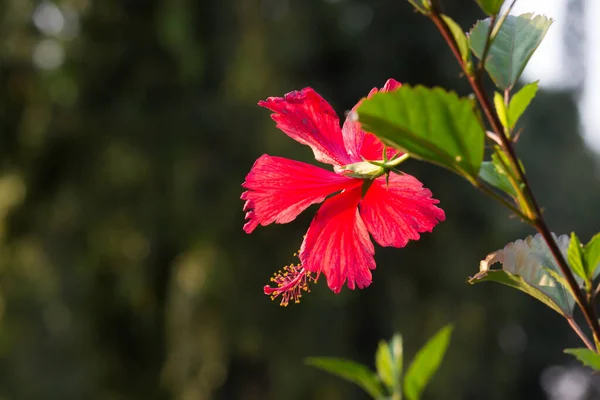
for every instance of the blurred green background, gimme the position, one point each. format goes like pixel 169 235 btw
pixel 126 129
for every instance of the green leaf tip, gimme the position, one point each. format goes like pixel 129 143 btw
pixel 490 7
pixel 350 371
pixel 426 363
pixel 501 109
pixel 520 101
pixel 512 47
pixel 430 124
pixel 587 357
pixel 459 37
pixel 592 256
pixel 576 259
pixel 585 260
pixel 385 365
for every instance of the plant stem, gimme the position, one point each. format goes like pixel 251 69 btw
pixel 533 211
pixel 580 333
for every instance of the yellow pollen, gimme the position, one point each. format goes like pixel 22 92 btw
pixel 290 283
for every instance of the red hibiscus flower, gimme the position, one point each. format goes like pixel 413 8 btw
pixel 393 208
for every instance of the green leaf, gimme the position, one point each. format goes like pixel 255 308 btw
pixel 350 371
pixel 587 357
pixel 491 174
pixel 495 173
pixel 517 282
pixel 431 124
pixel 512 47
pixel 422 6
pixel 575 257
pixel 490 7
pixel 459 37
pixel 525 265
pixel 425 363
pixel 519 102
pixel 501 109
pixel 384 364
pixel 560 279
pixel 592 256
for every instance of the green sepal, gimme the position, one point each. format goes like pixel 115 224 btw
pixel 363 170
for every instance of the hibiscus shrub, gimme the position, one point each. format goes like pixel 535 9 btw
pixel 366 195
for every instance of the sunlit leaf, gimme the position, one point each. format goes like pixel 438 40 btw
pixel 587 357
pixel 431 124
pixel 425 363
pixel 459 37
pixel 350 371
pixel 575 257
pixel 384 364
pixel 519 102
pixel 512 47
pixel 525 265
pixel 490 7
pixel 501 109
pixel 592 256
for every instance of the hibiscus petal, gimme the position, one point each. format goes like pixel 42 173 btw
pixel 279 189
pixel 399 211
pixel 391 84
pixel 307 118
pixel 337 243
pixel 372 148
pixel 353 139
pixel 363 145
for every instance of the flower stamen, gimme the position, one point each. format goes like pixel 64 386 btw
pixel 290 281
